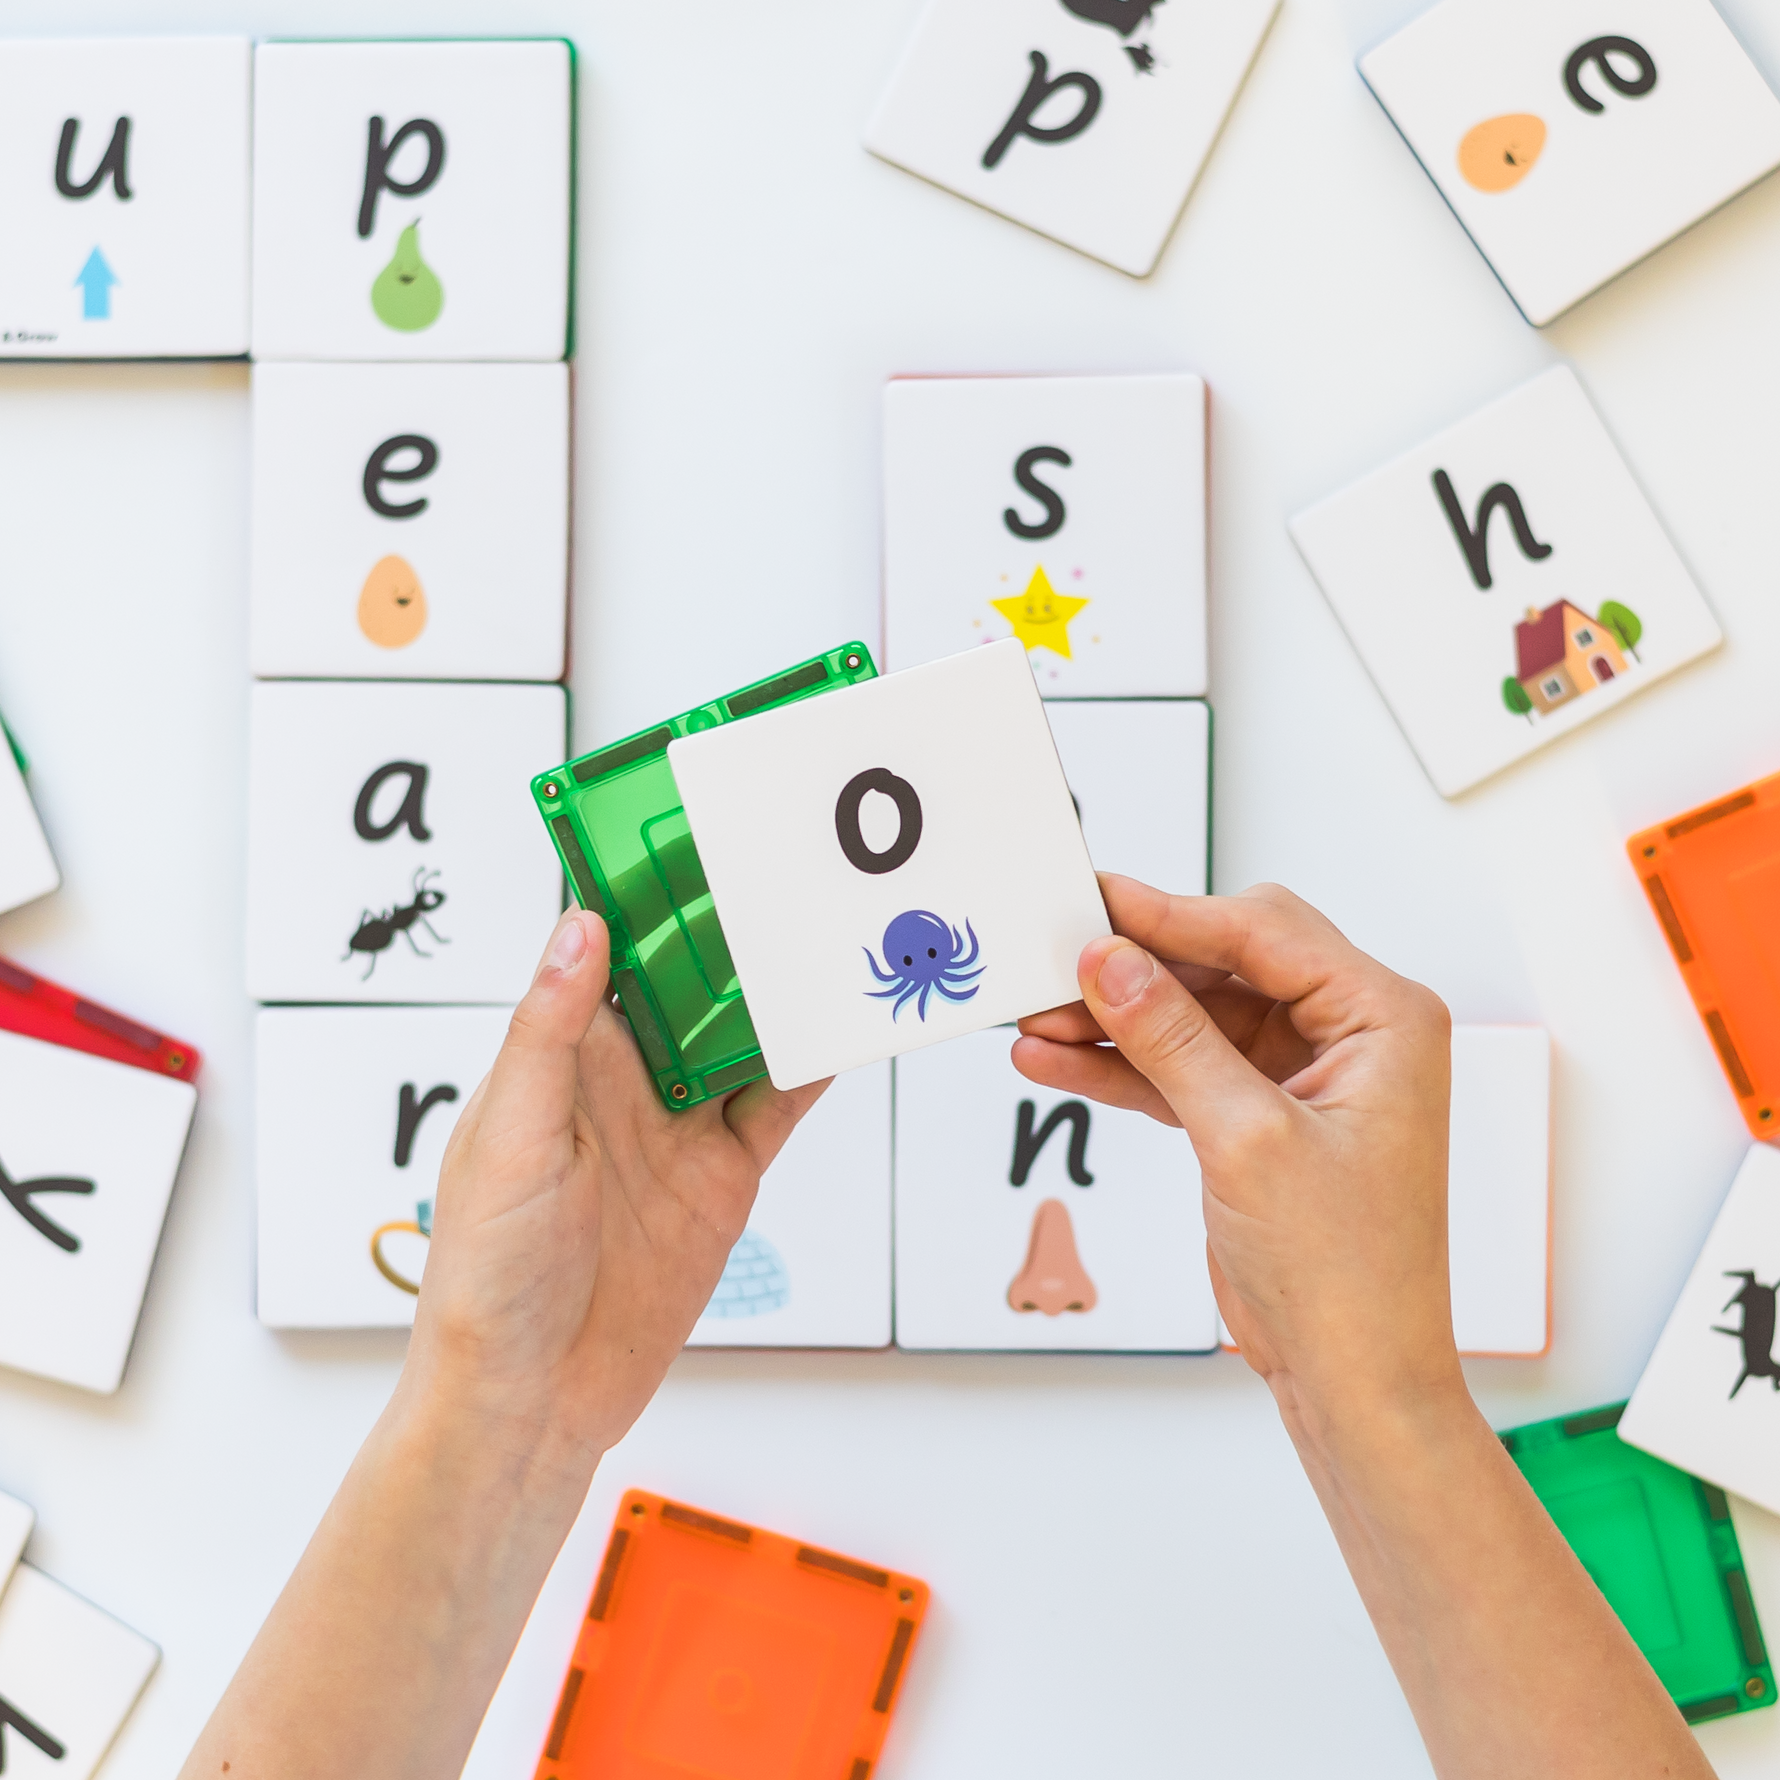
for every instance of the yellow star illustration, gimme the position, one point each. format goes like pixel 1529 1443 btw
pixel 1040 616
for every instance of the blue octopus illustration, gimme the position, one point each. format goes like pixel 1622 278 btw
pixel 927 951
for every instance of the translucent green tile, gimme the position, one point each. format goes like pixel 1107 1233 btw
pixel 621 833
pixel 1661 1547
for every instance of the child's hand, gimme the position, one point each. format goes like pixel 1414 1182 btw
pixel 1313 1083
pixel 580 1226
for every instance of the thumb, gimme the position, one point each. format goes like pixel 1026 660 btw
pixel 1165 1034
pixel 531 1089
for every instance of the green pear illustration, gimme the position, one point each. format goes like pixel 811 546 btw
pixel 407 293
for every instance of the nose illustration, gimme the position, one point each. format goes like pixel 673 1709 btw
pixel 1053 1279
pixel 1499 153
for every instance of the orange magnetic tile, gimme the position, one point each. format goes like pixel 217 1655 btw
pixel 721 1650
pixel 1713 879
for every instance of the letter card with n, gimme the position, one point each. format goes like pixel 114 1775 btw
pixel 1506 581
pixel 895 863
pixel 1033 1220
pixel 1709 1400
pixel 1087 120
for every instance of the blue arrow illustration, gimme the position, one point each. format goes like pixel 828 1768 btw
pixel 96 279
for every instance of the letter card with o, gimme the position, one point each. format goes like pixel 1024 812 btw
pixel 1506 581
pixel 895 863
pixel 1087 120
pixel 1573 139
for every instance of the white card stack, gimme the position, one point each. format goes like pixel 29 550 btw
pixel 69 1674
pixel 411 274
pixel 69 1677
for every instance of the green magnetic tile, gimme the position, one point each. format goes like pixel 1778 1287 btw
pixel 616 820
pixel 1661 1547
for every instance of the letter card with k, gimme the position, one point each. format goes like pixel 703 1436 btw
pixel 1709 1400
pixel 1505 581
pixel 88 1152
pixel 1087 120
pixel 895 864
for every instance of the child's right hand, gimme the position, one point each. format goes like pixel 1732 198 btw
pixel 1313 1083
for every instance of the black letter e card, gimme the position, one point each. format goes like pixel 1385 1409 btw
pixel 894 864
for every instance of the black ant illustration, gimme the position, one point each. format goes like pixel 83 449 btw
pixel 1757 1332
pixel 377 933
pixel 18 1194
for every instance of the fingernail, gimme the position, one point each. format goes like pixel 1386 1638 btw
pixel 1125 975
pixel 569 944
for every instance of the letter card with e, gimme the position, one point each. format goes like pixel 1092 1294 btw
pixel 1572 139
pixel 1087 120
pixel 1709 1400
pixel 894 864
pixel 1505 581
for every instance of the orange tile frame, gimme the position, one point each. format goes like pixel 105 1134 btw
pixel 722 1650
pixel 1713 879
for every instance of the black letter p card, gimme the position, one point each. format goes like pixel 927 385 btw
pixel 894 864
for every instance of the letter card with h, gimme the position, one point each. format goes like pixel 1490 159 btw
pixel 1506 581
pixel 894 864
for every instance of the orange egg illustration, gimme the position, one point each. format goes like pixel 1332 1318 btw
pixel 1500 152
pixel 392 604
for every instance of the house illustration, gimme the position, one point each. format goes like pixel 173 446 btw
pixel 1562 653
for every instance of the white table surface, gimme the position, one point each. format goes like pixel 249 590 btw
pixel 1130 1573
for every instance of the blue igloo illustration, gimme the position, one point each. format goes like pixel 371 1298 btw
pixel 754 1280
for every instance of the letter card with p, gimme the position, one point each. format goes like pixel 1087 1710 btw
pixel 894 864
pixel 1087 120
